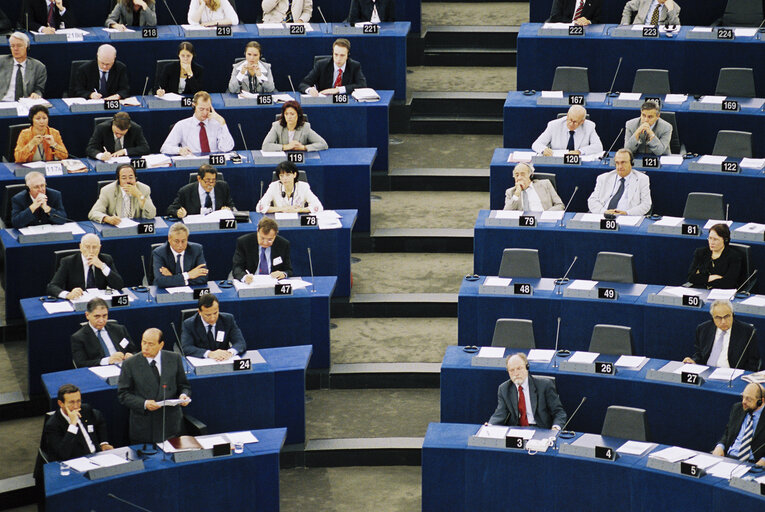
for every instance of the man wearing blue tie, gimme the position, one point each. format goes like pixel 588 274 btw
pixel 622 191
pixel 179 262
pixel 263 252
pixel 744 437
pixel 102 78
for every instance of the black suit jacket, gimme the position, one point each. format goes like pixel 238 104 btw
pixel 728 265
pixel 545 401
pixel 194 336
pixel 87 350
pixel 60 444
pixel 361 10
pixel 247 255
pixel 170 76
pixel 22 216
pixel 71 274
pixel 563 10
pixel 6 27
pixel 739 336
pixel 37 10
pixel 188 198
pixel 103 137
pixel 322 76
pixel 735 420
pixel 87 77
pixel 162 256
pixel 137 384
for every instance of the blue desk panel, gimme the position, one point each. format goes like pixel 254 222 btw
pixel 266 322
pixel 693 64
pixel 699 12
pixel 251 482
pixel 271 395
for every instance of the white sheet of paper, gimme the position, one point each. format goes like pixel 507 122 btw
pixel 701 29
pixel 508 214
pixel 81 464
pixel 497 281
pixel 591 217
pixel 258 281
pixel 712 159
pixel 244 437
pixel 674 454
pixel 712 222
pixel 669 222
pixel 752 163
pixel 492 431
pixel 754 300
pixel 630 361
pixel 493 352
pixel 538 355
pixel 524 433
pixel 126 223
pixel 179 289
pixel 286 216
pixel 634 448
pixel 691 368
pixel 552 94
pixel 170 96
pixel 727 470
pixel 712 99
pixel 671 160
pixel 703 460
pixel 629 220
pixel 745 32
pixel 111 370
pixel 630 95
pixel 721 294
pixel 521 156
pixel 107 459
pixel 206 361
pixel 725 374
pixel 551 216
pixel 208 442
pixel 751 227
pixel 581 356
pixel 679 291
pixel 58 307
pixel 582 284
pixel 296 283
pixel 275 154
pixel 675 98
pixel 172 402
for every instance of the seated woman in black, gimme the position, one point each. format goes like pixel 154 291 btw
pixel 718 265
pixel 183 76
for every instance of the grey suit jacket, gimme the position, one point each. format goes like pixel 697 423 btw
pixel 643 16
pixel 110 203
pixel 304 134
pixel 236 86
pixel 556 135
pixel 121 15
pixel 546 192
pixel 274 11
pixel 545 404
pixel 35 76
pixel 659 145
pixel 639 198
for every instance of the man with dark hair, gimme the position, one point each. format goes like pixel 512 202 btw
pixel 125 198
pixel 205 196
pixel 89 269
pixel 179 262
pixel 623 191
pixel 46 16
pixel 340 74
pixel 118 137
pixel 262 252
pixel 100 342
pixel 648 133
pixel 210 333
pixel 744 436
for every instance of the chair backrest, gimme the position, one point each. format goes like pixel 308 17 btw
pixel 651 81
pixel 103 183
pixel 742 13
pixel 746 268
pixel 317 58
pixel 99 120
pixel 302 176
pixel 704 206
pixel 520 263
pixel 13 136
pixel 72 72
pixel 615 340
pixel 10 191
pixel 733 143
pixel 158 68
pixel 737 82
pixel 187 313
pixel 149 279
pixel 514 333
pixel 674 141
pixel 63 253
pixel 617 267
pixel 42 457
pixel 193 177
pixel 626 423
pixel 549 176
pixel 571 79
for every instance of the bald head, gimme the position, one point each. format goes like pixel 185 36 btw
pixel 106 56
pixel 151 342
pixel 575 117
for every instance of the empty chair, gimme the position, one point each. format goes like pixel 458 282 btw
pixel 675 146
pixel 626 423
pixel 614 340
pixel 568 78
pixel 733 143
pixel 651 81
pixel 736 82
pixel 616 267
pixel 520 263
pixel 549 176
pixel 742 13
pixel 704 206
pixel 513 333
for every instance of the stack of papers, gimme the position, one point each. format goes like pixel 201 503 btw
pixel 679 291
pixel 329 219
pixel 105 372
pixel 728 470
pixel 74 165
pixel 131 102
pixel 629 220
pixel 557 25
pixel 217 215
pixel 670 222
pixel 179 289
pixel 102 460
pixel 497 281
pixel 365 94
pixel 752 163
pixel 581 356
pixel 701 29
pixel 582 284
pixel 492 352
pixel 197 27
pixel 517 432
pixel 244 437
pixel 69 227
pixel 274 154
pixel 630 95
pixel 671 160
pixel 758 377
pixel 72 34
pixel 591 217
pixel 712 159
pixel 58 307
pixel 725 374
pixel 673 454
pixel 551 216
pixel 721 294
pixel 675 98
pixel 537 355
pixel 712 99
pixel 712 222
pixel 630 361
pixel 553 94
pixel 521 156
pixel 634 448
pixel 704 460
pixel 170 96
pixel 691 368
pixel 508 214
pixel 745 32
pixel 206 361
pixel 81 101
pixel 754 300
pixel 113 30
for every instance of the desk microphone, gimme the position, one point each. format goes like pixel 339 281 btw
pixel 292 86
pixel 323 18
pixel 143 288
pixel 759 29
pixel 739 291
pixel 610 92
pixel 562 353
pixel 164 414
pixel 244 141
pixel 562 221
pixel 603 157
pixel 564 279
pixel 310 265
pixel 180 30
pixel 137 507
pixel 177 339
pixel 746 347
pixel 568 434
pixel 727 209
pixel 145 84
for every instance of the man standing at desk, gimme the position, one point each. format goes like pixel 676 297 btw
pixel 21 76
pixel 205 196
pixel 525 400
pixel 263 252
pixel 210 333
pixel 621 191
pixel 104 78
pixel 75 429
pixel 152 376
pixel 179 262
pixel 574 133
pixel 89 269
pixel 339 74
pixel 125 198
pixel 37 205
pixel 118 137
pixel 744 437
pixel 100 342
pixel 204 132
pixel 648 133
pixel 721 341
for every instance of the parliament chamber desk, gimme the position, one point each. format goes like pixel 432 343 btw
pixel 659 258
pixel 352 125
pixel 693 64
pixel 658 330
pixel 698 12
pixel 469 395
pixel 270 395
pixel 670 185
pixel 524 120
pixel 29 267
pixel 246 481
pixel 382 56
pixel 456 476
pixel 266 322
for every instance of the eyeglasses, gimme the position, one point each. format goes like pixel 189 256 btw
pixel 721 318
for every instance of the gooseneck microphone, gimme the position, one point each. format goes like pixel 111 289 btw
pixel 568 434
pixel 180 30
pixel 604 156
pixel 562 221
pixel 746 347
pixel 610 92
pixel 137 507
pixel 740 290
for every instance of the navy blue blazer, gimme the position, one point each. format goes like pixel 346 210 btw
pixel 60 444
pixel 247 256
pixel 361 10
pixel 194 336
pixel 22 216
pixel 739 336
pixel 322 76
pixel 162 256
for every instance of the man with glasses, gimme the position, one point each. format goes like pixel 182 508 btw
pixel 205 196
pixel 21 76
pixel 722 340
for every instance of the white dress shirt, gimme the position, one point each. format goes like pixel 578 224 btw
pixel 185 133
pixel 10 95
pixel 73 429
pixel 722 361
pixel 175 258
pixel 340 89
pixel 534 204
pixel 203 198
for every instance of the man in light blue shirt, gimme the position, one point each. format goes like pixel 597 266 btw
pixel 744 437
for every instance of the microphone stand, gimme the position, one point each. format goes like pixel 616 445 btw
pixel 567 434
pixel 746 347
pixel 563 280
pixel 555 354
pixel 563 219
pixel 164 414
pixel 310 264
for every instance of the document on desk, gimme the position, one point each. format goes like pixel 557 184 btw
pixel 553 94
pixel 582 284
pixel 258 281
pixel 365 94
pixel 507 214
pixel 712 99
pixel 521 156
pixel 58 307
pixel 589 441
pixel 712 222
pixel 286 216
pixel 629 220
pixel 81 464
pixel 669 222
pixel 538 355
pixel 679 291
pixel 725 374
pixel 557 25
pixel 492 431
pixel 296 282
pixel 634 448
pixel 671 160
pixel 497 281
pixel 274 154
pixel 179 289
pixel 551 216
pixel 721 294
pixel 704 460
pixel 107 459
pixel 745 32
pixel 712 159
pixel 217 215
pixel 69 227
pixel 751 227
pixel 673 454
pixel 630 96
pixel 590 217
pixel 105 372
pixel 752 163
pixel 633 362
pixel 493 352
pixel 329 219
pixel 675 98
pixel 701 29
pixel 208 442
pixel 206 361
pixel 244 437
pixel 728 470
pixel 754 300
pixel 523 433
pixel 581 356
pixel 691 368
pixel 132 101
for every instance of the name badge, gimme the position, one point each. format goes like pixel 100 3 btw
pixel 90 429
pixel 277 261
pixel 219 336
pixel 124 343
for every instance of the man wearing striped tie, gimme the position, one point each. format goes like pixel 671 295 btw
pixel 744 437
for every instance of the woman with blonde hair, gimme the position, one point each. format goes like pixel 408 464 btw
pixel 210 13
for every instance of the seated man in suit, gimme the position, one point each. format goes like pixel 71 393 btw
pixel 651 12
pixel 744 437
pixel 100 342
pixel 179 262
pixel 118 137
pixel 527 400
pixel 150 377
pixel 102 78
pixel 204 132
pixel 536 196
pixel 124 198
pixel 75 429
pixel 580 12
pixel 648 133
pixel 574 132
pixel 339 74
pixel 205 196
pixel 89 269
pixel 21 76
pixel 721 341
pixel 373 11
pixel 46 15
pixel 212 334
pixel 622 191
pixel 37 205
pixel 287 11
pixel 263 252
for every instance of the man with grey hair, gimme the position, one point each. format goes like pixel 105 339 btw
pixel 649 133
pixel 531 196
pixel 574 133
pixel 37 204
pixel 179 262
pixel 102 78
pixel 89 269
pixel 722 341
pixel 622 191
pixel 21 76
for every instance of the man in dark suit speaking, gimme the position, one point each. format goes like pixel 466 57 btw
pixel 118 137
pixel 527 400
pixel 100 342
pixel 179 262
pixel 89 269
pixel 744 437
pixel 205 196
pixel 210 333
pixel 153 376
pixel 102 78
pixel 339 74
pixel 263 252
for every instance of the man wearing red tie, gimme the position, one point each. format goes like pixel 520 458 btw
pixel 338 75
pixel 204 132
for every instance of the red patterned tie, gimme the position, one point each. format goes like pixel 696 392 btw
pixel 339 79
pixel 204 144
pixel 522 420
pixel 50 14
pixel 578 13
